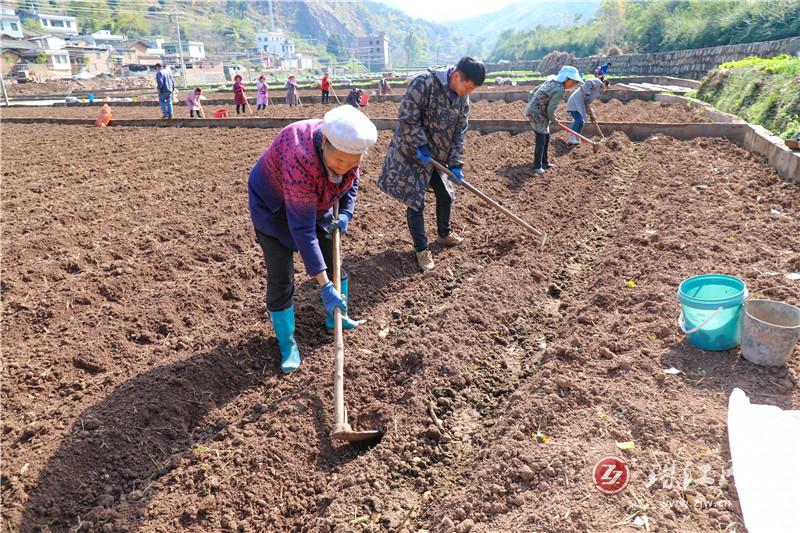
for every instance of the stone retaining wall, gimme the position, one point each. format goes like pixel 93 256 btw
pixel 682 63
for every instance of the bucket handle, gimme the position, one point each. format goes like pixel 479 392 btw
pixel 682 322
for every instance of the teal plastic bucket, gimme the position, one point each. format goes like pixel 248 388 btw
pixel 711 311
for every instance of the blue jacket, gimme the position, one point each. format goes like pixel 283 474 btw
pixel 165 82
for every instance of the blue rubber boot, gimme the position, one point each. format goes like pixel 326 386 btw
pixel 347 323
pixel 283 324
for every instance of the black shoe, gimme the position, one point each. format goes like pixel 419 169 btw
pixel 547 166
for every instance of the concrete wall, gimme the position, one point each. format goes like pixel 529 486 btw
pixel 711 112
pixel 682 63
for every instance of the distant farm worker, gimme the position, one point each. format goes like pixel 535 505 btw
pixel 291 91
pixel 239 98
pixel 262 93
pixel 601 70
pixel 384 86
pixel 166 86
pixel 193 103
pixel 354 98
pixel 433 119
pixel 541 111
pixel 325 86
pixel 579 105
pixel 310 166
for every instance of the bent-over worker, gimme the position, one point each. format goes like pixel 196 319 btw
pixel 310 166
pixel 579 105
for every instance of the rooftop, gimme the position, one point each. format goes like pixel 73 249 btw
pixel 54 17
pixel 9 43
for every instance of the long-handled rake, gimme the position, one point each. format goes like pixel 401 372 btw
pixel 595 145
pixel 492 203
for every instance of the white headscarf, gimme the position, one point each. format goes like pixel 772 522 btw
pixel 349 130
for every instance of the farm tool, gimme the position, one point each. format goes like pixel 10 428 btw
pixel 492 203
pixel 335 96
pixel 341 429
pixel 595 145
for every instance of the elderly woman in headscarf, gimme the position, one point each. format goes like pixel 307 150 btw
pixel 292 97
pixel 310 166
pixel 541 111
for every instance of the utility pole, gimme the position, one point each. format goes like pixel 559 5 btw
pixel 180 49
pixel 271 16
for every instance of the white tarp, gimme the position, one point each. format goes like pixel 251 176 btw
pixel 765 449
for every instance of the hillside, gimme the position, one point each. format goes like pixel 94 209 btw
pixel 522 16
pixel 229 26
pixel 658 26
pixel 762 91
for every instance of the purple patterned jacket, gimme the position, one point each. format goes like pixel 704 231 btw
pixel 290 193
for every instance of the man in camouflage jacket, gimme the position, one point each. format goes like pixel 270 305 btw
pixel 433 121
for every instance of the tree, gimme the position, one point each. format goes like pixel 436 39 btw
pixel 413 46
pixel 131 24
pixel 40 59
pixel 32 25
pixel 337 47
pixel 476 48
pixel 91 14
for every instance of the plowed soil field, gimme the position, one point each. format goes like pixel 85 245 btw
pixel 612 111
pixel 141 388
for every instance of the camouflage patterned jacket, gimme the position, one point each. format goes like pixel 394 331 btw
pixel 542 104
pixel 426 116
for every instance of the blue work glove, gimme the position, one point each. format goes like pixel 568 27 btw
pixel 458 175
pixel 331 299
pixel 340 223
pixel 424 154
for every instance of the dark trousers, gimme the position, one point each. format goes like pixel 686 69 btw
pixel 259 107
pixel 280 268
pixel 325 96
pixel 192 112
pixel 243 106
pixel 577 121
pixel 540 152
pixel 416 218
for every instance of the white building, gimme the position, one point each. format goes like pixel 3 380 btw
pixel 48 41
pixel 57 62
pixel 10 23
pixel 192 50
pixel 58 23
pixel 373 51
pixel 274 42
pixel 105 37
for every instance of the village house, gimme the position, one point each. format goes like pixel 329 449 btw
pixel 192 51
pixel 142 52
pixel 10 23
pixel 92 60
pixel 60 24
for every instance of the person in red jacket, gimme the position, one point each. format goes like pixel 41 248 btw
pixel 325 85
pixel 239 97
